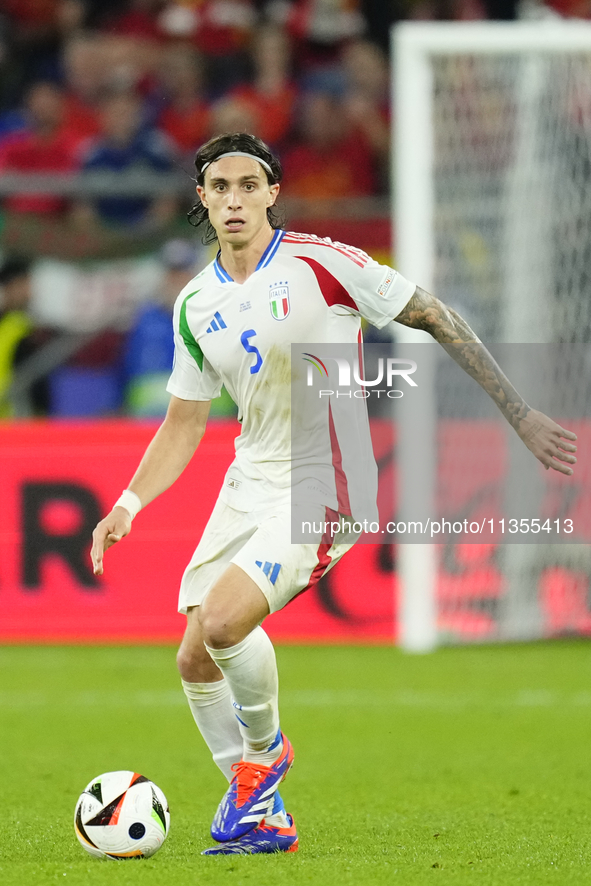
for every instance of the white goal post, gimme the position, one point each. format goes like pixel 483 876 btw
pixel 417 49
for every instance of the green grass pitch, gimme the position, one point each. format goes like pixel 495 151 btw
pixel 470 765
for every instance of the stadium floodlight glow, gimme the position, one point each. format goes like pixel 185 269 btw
pixel 532 70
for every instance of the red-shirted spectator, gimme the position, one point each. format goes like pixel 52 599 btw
pixel 131 45
pixel 367 97
pixel 332 160
pixel 79 118
pixel 218 27
pixel 185 115
pixel 321 27
pixel 139 18
pixel 230 115
pixel 46 146
pixel 86 76
pixel 96 65
pixel 271 97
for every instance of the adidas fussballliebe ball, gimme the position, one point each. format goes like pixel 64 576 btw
pixel 121 815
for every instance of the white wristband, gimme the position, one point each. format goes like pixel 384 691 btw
pixel 130 501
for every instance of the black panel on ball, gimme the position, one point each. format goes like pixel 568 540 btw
pixel 137 830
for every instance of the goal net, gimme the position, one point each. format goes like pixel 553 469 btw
pixel 492 213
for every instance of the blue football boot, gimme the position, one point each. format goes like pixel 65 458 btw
pixel 262 839
pixel 250 795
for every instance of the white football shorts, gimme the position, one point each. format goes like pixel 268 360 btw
pixel 259 542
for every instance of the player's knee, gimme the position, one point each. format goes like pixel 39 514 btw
pixel 194 665
pixel 217 632
pixel 185 663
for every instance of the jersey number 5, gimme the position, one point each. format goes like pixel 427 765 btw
pixel 251 349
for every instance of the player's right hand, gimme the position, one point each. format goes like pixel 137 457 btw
pixel 108 532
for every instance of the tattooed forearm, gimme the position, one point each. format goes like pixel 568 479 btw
pixel 474 358
pixel 426 312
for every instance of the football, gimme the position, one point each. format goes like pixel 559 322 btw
pixel 121 815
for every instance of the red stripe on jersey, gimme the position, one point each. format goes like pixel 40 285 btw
pixel 334 292
pixel 342 487
pixel 356 255
pixel 324 558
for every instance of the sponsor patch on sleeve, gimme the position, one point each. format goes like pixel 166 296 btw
pixel 387 282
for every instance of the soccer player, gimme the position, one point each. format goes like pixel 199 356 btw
pixel 233 325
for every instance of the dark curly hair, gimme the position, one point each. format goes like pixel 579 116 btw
pixel 212 150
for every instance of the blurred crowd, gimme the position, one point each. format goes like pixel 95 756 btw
pixel 137 85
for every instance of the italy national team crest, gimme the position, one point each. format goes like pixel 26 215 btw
pixel 279 300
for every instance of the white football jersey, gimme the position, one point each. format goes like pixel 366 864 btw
pixel 305 290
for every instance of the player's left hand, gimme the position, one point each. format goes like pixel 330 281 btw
pixel 552 445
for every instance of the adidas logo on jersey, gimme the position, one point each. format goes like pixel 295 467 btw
pixel 217 323
pixel 271 570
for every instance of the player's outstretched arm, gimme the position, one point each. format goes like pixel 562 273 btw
pixel 552 445
pixel 163 462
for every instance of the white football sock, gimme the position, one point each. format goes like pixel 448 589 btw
pixel 278 817
pixel 251 671
pixel 211 706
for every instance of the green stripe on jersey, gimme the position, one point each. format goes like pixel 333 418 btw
pixel 187 336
